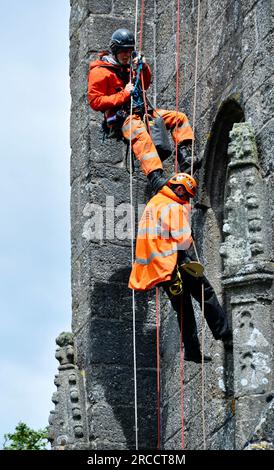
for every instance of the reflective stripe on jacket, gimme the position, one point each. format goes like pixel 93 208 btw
pixel 164 229
pixel 106 85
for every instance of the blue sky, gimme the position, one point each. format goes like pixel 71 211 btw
pixel 35 294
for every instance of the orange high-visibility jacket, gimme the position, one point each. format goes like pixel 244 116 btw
pixel 164 229
pixel 106 83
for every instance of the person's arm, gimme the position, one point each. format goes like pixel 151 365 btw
pixel 180 230
pixel 97 92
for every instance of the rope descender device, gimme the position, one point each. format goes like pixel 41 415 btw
pixel 194 268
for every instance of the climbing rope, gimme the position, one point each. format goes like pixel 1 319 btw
pixel 132 231
pixel 132 221
pixel 203 366
pixel 141 25
pixel 157 295
pixel 136 19
pixel 192 162
pixel 157 303
pixel 182 378
pixel 196 253
pixel 158 368
pixel 195 82
pixel 176 170
pixel 177 81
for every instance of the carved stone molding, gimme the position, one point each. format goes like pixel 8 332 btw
pixel 248 279
pixel 245 237
pixel 68 423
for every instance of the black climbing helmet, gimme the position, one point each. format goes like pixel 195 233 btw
pixel 121 39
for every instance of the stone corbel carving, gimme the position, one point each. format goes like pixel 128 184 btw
pixel 245 240
pixel 68 422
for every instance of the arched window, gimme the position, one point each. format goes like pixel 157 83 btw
pixel 209 221
pixel 216 159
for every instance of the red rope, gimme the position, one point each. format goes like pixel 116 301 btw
pixel 176 170
pixel 157 310
pixel 158 370
pixel 145 103
pixel 141 25
pixel 157 289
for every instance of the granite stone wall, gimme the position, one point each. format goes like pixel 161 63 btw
pixel 232 222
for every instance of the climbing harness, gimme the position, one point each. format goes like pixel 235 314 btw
pixel 176 286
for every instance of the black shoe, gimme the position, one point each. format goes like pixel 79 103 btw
pixel 227 339
pixel 185 158
pixel 156 180
pixel 197 358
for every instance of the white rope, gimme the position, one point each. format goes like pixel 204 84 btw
pixel 203 366
pixel 194 246
pixel 195 83
pixel 132 217
pixel 132 221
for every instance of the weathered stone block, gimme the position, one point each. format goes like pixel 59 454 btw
pixel 126 8
pixel 80 118
pixel 97 7
pixel 249 408
pixel 79 83
pixel 120 389
pixel 260 106
pixel 258 66
pixel 111 342
pixel 96 32
pixel 79 12
pixel 118 426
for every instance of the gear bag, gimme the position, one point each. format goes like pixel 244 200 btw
pixel 160 137
pixel 112 126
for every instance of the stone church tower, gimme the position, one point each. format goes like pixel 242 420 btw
pixel 232 222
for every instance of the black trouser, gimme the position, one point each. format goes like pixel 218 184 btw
pixel 182 304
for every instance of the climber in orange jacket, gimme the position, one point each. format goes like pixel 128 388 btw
pixel 164 236
pixel 110 86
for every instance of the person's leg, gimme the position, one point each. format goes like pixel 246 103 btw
pixel 185 315
pixel 214 314
pixel 182 305
pixel 144 150
pixel 182 133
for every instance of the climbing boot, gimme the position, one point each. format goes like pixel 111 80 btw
pixel 227 339
pixel 184 160
pixel 156 180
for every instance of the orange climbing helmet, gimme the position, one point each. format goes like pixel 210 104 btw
pixel 184 179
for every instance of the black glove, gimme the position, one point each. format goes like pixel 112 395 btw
pixel 184 257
